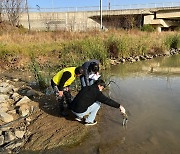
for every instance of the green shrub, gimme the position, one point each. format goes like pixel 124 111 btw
pixel 112 45
pixel 35 68
pixel 75 52
pixel 94 49
pixel 148 28
pixel 172 41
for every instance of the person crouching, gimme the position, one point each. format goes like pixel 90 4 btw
pixel 60 84
pixel 87 102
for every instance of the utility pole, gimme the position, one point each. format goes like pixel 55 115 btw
pixel 26 5
pixel 101 26
pixel 53 5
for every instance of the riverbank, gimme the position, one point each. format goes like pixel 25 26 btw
pixel 30 120
pixel 55 50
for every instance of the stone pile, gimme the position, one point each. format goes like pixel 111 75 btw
pixel 15 111
pixel 143 57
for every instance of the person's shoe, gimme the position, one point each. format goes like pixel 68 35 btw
pixel 90 123
pixel 79 119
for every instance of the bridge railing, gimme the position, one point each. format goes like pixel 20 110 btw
pixel 109 7
pixel 142 6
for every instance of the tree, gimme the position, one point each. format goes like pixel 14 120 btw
pixel 13 9
pixel 1 10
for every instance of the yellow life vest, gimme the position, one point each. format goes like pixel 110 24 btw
pixel 58 76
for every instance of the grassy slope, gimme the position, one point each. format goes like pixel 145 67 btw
pixel 60 49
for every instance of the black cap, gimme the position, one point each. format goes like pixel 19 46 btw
pixel 100 82
pixel 94 67
pixel 79 70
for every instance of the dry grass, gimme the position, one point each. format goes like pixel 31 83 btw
pixel 74 47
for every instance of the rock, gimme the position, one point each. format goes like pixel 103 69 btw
pixel 24 110
pixel 142 57
pixel 1 140
pixel 4 129
pixel 154 56
pixel 3 98
pixel 31 93
pixel 113 62
pixel 6 90
pixel 16 96
pixel 3 109
pixel 173 51
pixel 122 60
pixel 5 104
pixel 24 100
pixel 19 133
pixel 16 80
pixel 12 111
pixel 16 89
pixel 131 59
pixel 9 136
pixel 28 119
pixel 6 117
pixel 4 84
pixel 148 56
pixel 137 58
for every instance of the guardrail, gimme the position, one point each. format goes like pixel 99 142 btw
pixel 109 7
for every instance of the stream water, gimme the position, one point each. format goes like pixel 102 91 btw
pixel 150 92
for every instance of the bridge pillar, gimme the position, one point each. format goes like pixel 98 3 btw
pixel 158 28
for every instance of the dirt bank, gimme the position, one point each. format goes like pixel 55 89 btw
pixel 48 129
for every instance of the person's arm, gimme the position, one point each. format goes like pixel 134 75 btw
pixel 86 73
pixel 102 98
pixel 106 100
pixel 66 75
pixel 86 77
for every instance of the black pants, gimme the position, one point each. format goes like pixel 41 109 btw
pixel 65 100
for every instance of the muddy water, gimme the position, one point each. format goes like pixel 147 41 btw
pixel 150 91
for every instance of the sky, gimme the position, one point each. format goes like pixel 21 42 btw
pixel 86 3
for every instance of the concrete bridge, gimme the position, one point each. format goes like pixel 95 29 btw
pixel 162 18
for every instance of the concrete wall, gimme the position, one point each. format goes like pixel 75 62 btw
pixel 73 21
pixel 83 20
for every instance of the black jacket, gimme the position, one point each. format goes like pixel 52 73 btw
pixel 87 96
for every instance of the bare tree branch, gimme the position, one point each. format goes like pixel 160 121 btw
pixel 14 8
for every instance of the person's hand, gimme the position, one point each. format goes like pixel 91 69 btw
pixel 61 93
pixel 122 110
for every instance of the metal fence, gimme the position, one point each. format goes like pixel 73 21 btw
pixel 109 7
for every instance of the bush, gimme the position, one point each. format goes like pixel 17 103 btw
pixel 148 28
pixel 112 45
pixel 40 79
pixel 75 52
pixel 173 41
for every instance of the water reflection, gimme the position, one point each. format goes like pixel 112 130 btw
pixel 158 66
pixel 153 102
